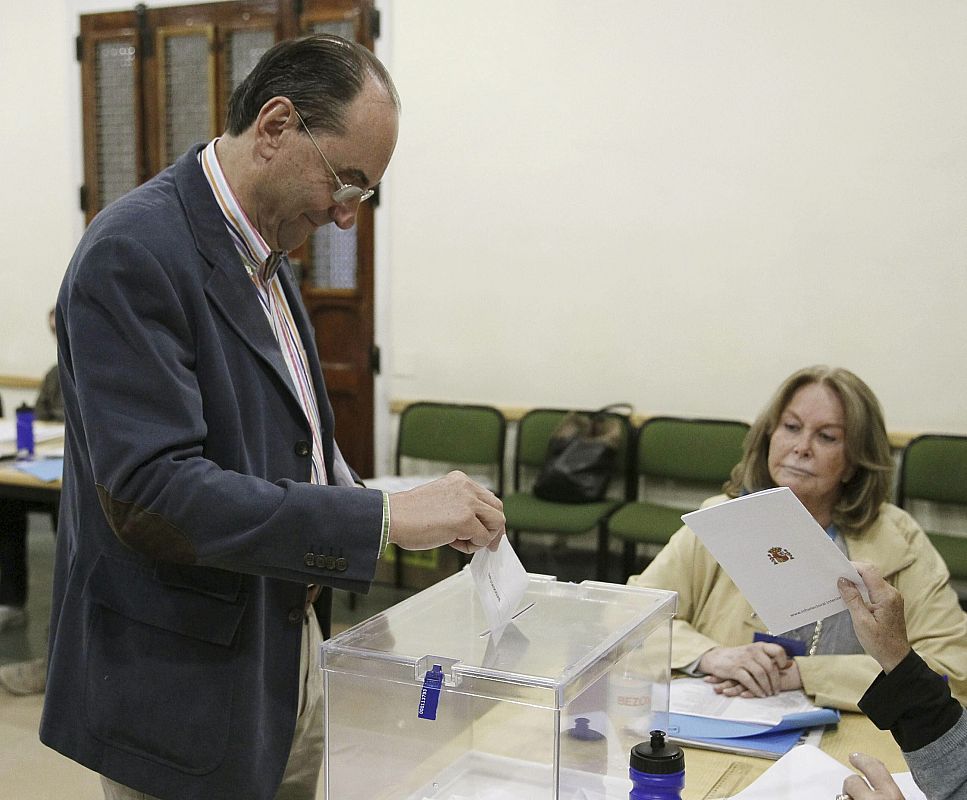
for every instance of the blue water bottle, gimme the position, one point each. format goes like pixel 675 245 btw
pixel 657 770
pixel 25 431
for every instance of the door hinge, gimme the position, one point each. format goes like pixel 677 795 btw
pixel 83 198
pixel 79 48
pixel 375 357
pixel 374 23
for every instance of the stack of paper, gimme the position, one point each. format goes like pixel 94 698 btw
pixel 760 726
pixel 43 432
pixel 807 773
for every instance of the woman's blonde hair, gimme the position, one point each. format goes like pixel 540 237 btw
pixel 867 446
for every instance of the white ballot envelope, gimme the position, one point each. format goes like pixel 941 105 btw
pixel 777 554
pixel 501 581
pixel 805 773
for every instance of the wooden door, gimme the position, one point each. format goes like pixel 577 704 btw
pixel 337 276
pixel 155 81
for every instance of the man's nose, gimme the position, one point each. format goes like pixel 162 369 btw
pixel 344 216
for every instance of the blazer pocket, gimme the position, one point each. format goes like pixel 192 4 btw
pixel 160 667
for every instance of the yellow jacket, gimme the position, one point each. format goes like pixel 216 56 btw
pixel 712 612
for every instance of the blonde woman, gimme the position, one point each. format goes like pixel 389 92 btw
pixel 822 435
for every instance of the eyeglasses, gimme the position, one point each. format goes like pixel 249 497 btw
pixel 346 194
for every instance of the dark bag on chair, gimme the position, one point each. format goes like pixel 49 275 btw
pixel 580 456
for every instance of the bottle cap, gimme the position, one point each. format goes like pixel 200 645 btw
pixel 656 757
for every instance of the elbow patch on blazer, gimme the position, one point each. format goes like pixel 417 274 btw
pixel 146 531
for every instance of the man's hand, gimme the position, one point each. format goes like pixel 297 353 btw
pixel 451 510
pixel 877 775
pixel 879 625
pixel 755 667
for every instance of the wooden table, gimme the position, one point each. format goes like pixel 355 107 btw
pixel 18 485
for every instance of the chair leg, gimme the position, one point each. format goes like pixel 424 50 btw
pixel 630 558
pixel 603 551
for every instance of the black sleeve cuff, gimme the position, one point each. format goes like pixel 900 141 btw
pixel 913 702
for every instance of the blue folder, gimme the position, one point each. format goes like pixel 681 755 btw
pixel 750 738
pixel 47 469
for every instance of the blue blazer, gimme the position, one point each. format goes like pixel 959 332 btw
pixel 188 528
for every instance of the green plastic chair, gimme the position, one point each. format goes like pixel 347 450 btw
pixel 693 454
pixel 527 513
pixel 466 436
pixel 933 468
pixel 449 436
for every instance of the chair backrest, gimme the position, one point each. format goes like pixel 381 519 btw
pixel 534 431
pixel 453 433
pixel 689 450
pixel 934 468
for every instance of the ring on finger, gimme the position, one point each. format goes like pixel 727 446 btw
pixel 842 797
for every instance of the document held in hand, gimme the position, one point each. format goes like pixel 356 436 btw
pixel 501 581
pixel 784 564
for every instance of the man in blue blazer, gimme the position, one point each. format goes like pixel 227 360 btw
pixel 205 499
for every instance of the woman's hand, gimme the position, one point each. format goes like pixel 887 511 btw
pixel 789 678
pixel 757 668
pixel 877 776
pixel 879 624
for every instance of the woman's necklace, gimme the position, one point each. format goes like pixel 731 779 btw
pixel 814 641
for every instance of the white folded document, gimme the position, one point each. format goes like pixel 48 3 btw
pixel 778 556
pixel 807 773
pixel 501 581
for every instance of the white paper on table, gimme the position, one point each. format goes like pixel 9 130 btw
pixel 697 697
pixel 43 432
pixel 805 773
pixel 778 556
pixel 501 581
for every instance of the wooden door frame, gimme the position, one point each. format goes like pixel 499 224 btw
pixel 146 28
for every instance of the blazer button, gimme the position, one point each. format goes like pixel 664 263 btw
pixel 330 562
pixel 320 562
pixel 302 448
pixel 341 564
pixel 296 614
pixel 309 559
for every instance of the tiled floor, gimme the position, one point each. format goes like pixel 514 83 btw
pixel 30 771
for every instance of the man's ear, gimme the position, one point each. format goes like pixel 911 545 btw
pixel 274 118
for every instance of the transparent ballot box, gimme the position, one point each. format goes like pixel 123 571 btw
pixel 550 712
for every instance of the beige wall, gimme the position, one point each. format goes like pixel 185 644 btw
pixel 37 193
pixel 678 204
pixel 674 204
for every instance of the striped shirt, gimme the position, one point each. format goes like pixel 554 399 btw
pixel 262 265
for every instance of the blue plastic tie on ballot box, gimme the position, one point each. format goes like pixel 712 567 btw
pixel 430 694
